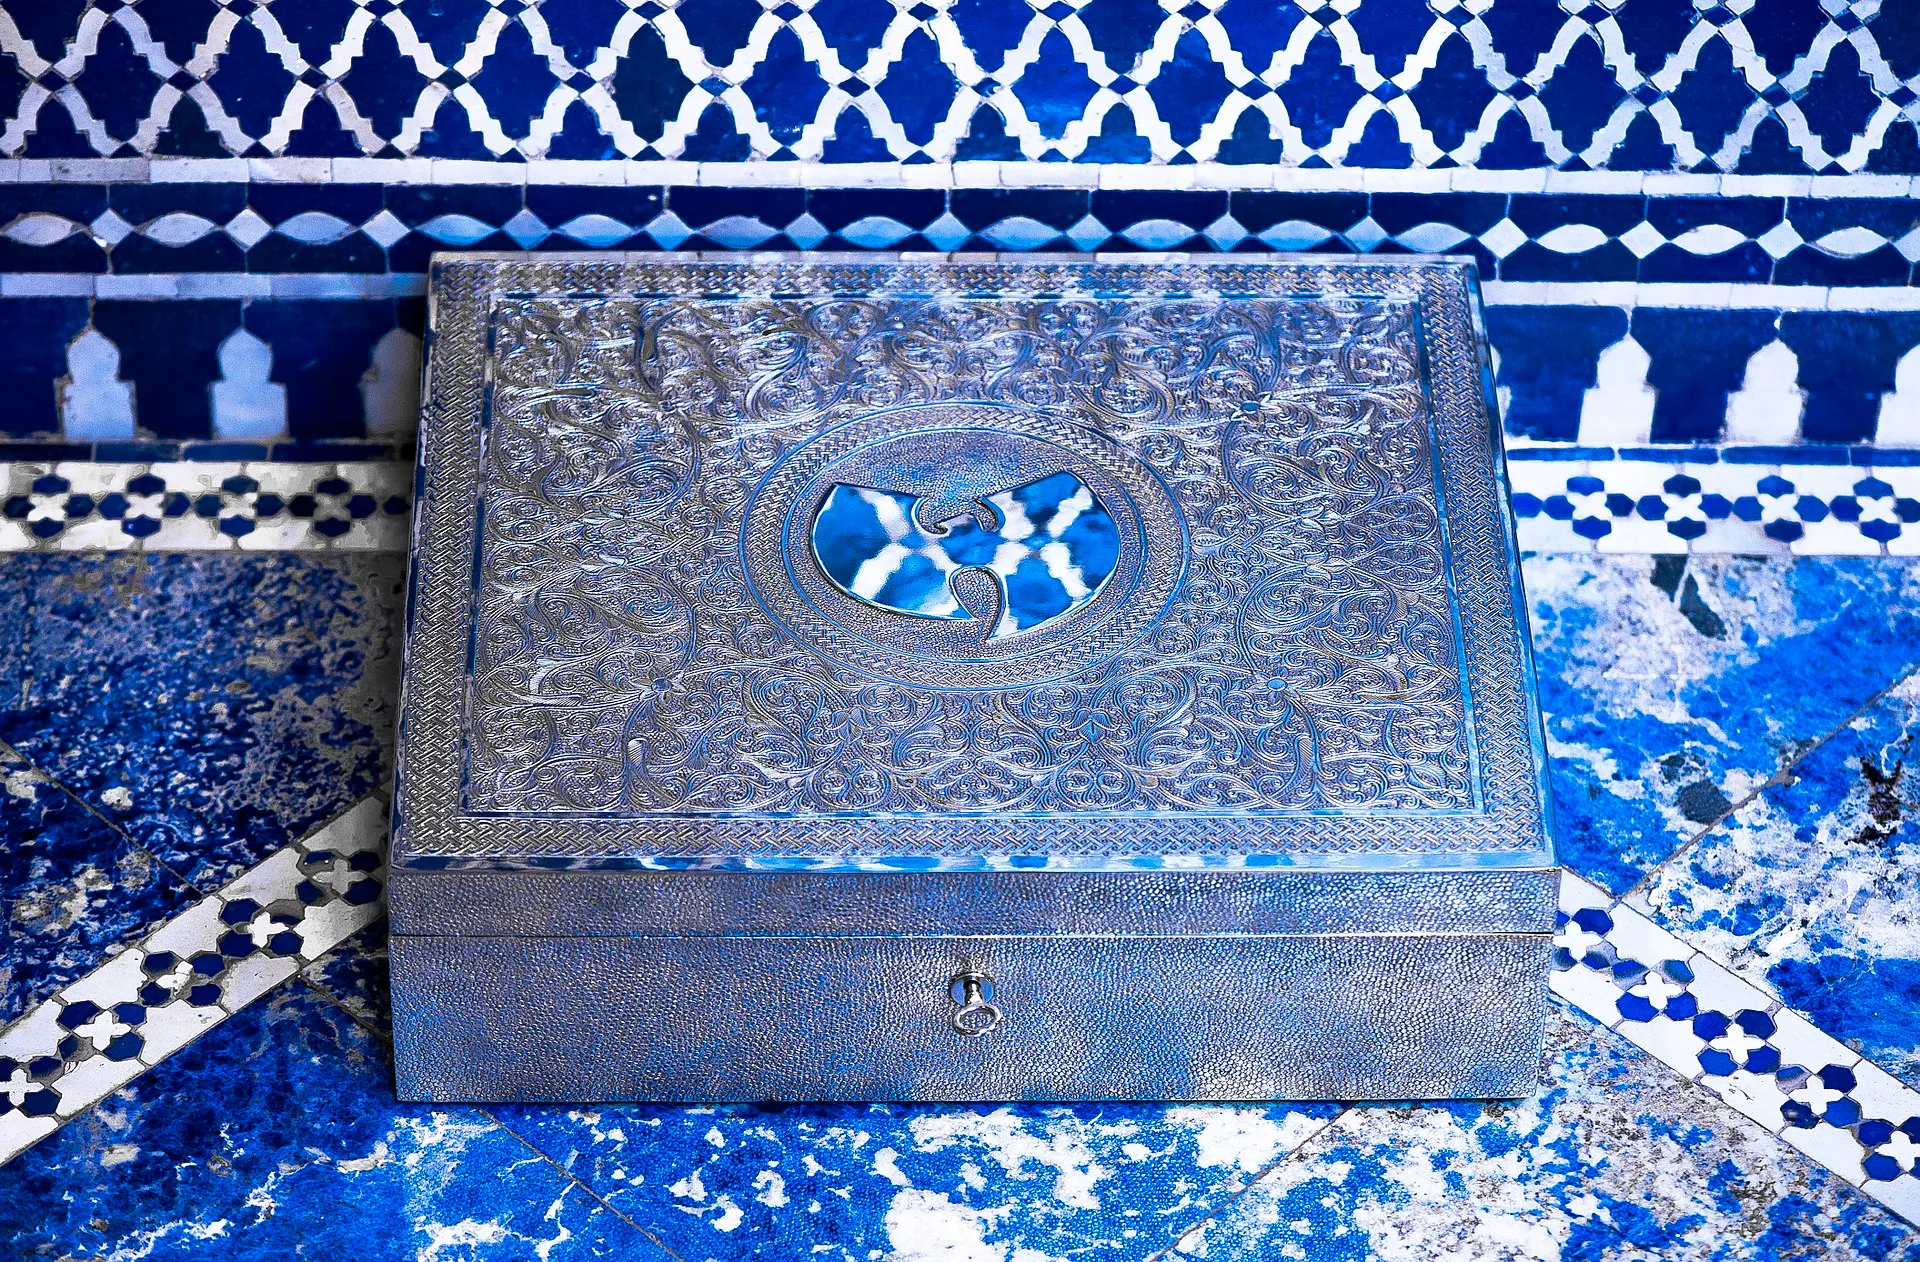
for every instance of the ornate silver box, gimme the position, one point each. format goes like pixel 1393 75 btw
pixel 925 678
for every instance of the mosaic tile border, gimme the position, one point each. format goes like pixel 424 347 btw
pixel 1784 237
pixel 1654 506
pixel 247 357
pixel 1751 502
pixel 205 506
pixel 1739 1042
pixel 1176 82
pixel 1611 962
pixel 375 287
pixel 154 997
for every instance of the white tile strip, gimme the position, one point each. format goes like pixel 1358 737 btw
pixel 99 1033
pixel 1652 506
pixel 987 174
pixel 205 506
pixel 1612 962
pixel 1705 296
pixel 1739 1042
pixel 1592 505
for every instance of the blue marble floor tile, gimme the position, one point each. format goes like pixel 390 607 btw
pixel 1614 1160
pixel 1029 1181
pixel 1814 887
pixel 276 1136
pixel 354 976
pixel 16 582
pixel 213 707
pixel 1673 688
pixel 71 886
pixel 771 1182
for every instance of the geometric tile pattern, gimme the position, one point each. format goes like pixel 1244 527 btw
pixel 1785 235
pixel 1754 158
pixel 1740 501
pixel 1743 508
pixel 1696 222
pixel 204 506
pixel 1740 1043
pixel 1611 962
pixel 157 995
pixel 334 355
pixel 1731 86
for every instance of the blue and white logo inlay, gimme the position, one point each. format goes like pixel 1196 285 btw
pixel 1049 546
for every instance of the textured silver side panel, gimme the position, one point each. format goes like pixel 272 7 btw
pixel 1351 1017
pixel 565 904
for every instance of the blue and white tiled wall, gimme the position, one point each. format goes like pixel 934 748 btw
pixel 1697 226
pixel 1697 223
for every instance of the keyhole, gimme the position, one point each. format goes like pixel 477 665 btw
pixel 977 1013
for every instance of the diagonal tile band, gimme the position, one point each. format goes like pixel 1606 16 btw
pixel 1740 1042
pixel 1613 963
pixel 141 1006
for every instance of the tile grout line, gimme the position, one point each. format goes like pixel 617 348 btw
pixel 306 978
pixel 385 1039
pixel 107 1010
pixel 381 286
pixel 957 174
pixel 1781 777
pixel 571 1177
pixel 110 824
pixel 1249 1185
pixel 135 1009
pixel 1839 1113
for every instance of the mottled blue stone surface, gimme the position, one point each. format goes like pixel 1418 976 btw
pixel 1813 888
pixel 238 700
pixel 212 707
pixel 1672 687
pixel 74 887
pixel 276 1136
pixel 1615 1159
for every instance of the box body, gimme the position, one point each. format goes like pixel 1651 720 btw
pixel 964 679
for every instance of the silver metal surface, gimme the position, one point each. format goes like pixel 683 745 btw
pixel 519 902
pixel 855 1018
pixel 977 1014
pixel 830 678
pixel 623 643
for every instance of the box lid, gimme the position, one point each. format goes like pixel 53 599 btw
pixel 823 562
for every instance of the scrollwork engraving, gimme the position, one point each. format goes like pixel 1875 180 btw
pixel 1307 660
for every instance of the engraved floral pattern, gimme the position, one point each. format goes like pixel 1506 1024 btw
pixel 1308 661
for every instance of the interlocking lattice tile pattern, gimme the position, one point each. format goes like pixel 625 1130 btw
pixel 1747 85
pixel 154 997
pixel 1695 222
pixel 1728 739
pixel 1741 501
pixel 1740 1042
pixel 205 506
pixel 1748 505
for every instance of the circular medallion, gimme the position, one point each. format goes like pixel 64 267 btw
pixel 965 546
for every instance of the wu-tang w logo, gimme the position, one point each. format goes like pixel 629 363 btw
pixel 1015 560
